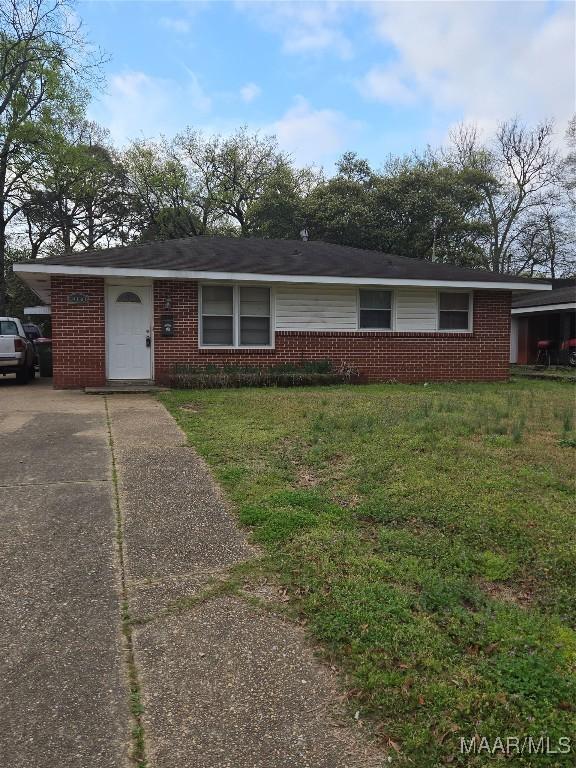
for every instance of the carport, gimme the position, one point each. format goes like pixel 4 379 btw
pixel 543 317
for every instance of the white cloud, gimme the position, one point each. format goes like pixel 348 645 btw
pixel 314 135
pixel 386 85
pixel 305 27
pixel 488 60
pixel 182 26
pixel 137 104
pixel 195 95
pixel 249 92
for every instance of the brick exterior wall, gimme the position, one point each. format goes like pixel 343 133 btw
pixel 400 356
pixel 79 341
pixel 78 333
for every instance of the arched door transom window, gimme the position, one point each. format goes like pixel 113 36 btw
pixel 129 297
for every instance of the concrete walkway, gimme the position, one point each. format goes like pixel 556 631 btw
pixel 223 684
pixel 62 692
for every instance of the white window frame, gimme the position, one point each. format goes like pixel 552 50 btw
pixel 392 293
pixel 236 317
pixel 470 295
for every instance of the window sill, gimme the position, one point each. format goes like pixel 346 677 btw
pixel 209 348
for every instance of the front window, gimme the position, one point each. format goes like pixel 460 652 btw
pixel 235 316
pixel 254 317
pixel 218 315
pixel 376 309
pixel 454 312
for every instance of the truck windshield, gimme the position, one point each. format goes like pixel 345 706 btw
pixel 8 328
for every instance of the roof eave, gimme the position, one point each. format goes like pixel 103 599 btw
pixel 27 270
pixel 544 308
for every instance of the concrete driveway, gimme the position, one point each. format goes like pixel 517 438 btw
pixel 63 696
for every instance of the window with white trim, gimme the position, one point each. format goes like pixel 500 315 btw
pixel 375 309
pixel 235 316
pixel 453 311
pixel 254 316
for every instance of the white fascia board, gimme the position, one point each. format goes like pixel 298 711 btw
pixel 181 274
pixel 543 308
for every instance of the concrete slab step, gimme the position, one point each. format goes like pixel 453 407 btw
pixel 124 389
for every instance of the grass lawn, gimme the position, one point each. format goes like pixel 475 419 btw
pixel 426 536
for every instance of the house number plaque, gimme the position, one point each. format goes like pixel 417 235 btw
pixel 78 298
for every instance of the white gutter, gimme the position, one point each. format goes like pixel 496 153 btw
pixel 181 274
pixel 543 308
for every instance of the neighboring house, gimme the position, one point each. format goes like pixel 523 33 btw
pixel 549 316
pixel 131 313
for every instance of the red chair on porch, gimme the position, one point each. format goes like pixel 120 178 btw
pixel 544 356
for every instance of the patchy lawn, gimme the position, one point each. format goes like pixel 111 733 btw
pixel 426 535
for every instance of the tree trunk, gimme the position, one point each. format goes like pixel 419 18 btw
pixel 3 298
pixel 91 226
pixel 3 244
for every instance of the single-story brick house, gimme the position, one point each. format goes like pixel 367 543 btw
pixel 130 313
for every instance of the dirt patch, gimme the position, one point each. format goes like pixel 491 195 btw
pixel 348 502
pixel 194 407
pixel 305 478
pixel 521 595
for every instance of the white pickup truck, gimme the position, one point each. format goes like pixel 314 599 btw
pixel 17 353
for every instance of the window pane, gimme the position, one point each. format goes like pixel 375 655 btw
pixel 217 330
pixel 454 301
pixel 453 321
pixel 255 331
pixel 128 297
pixel 217 300
pixel 375 299
pixel 255 301
pixel 375 318
pixel 8 328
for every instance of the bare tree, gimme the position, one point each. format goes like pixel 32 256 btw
pixel 546 243
pixel 228 174
pixel 159 191
pixel 525 167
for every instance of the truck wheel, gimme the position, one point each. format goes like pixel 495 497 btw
pixel 23 376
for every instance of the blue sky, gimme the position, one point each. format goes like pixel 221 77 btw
pixel 375 77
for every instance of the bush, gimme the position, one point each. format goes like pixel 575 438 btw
pixel 307 373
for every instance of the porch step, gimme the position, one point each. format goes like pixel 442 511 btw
pixel 124 389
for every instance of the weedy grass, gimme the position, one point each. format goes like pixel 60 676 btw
pixel 426 535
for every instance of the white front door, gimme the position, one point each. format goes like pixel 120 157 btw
pixel 128 335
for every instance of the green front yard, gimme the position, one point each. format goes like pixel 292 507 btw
pixel 426 536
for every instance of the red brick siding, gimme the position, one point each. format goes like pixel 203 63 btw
pixel 78 333
pixel 80 355
pixel 480 355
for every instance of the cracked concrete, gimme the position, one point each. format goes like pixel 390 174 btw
pixel 63 699
pixel 224 684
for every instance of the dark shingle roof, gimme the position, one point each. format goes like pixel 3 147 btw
pixel 565 295
pixel 273 257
